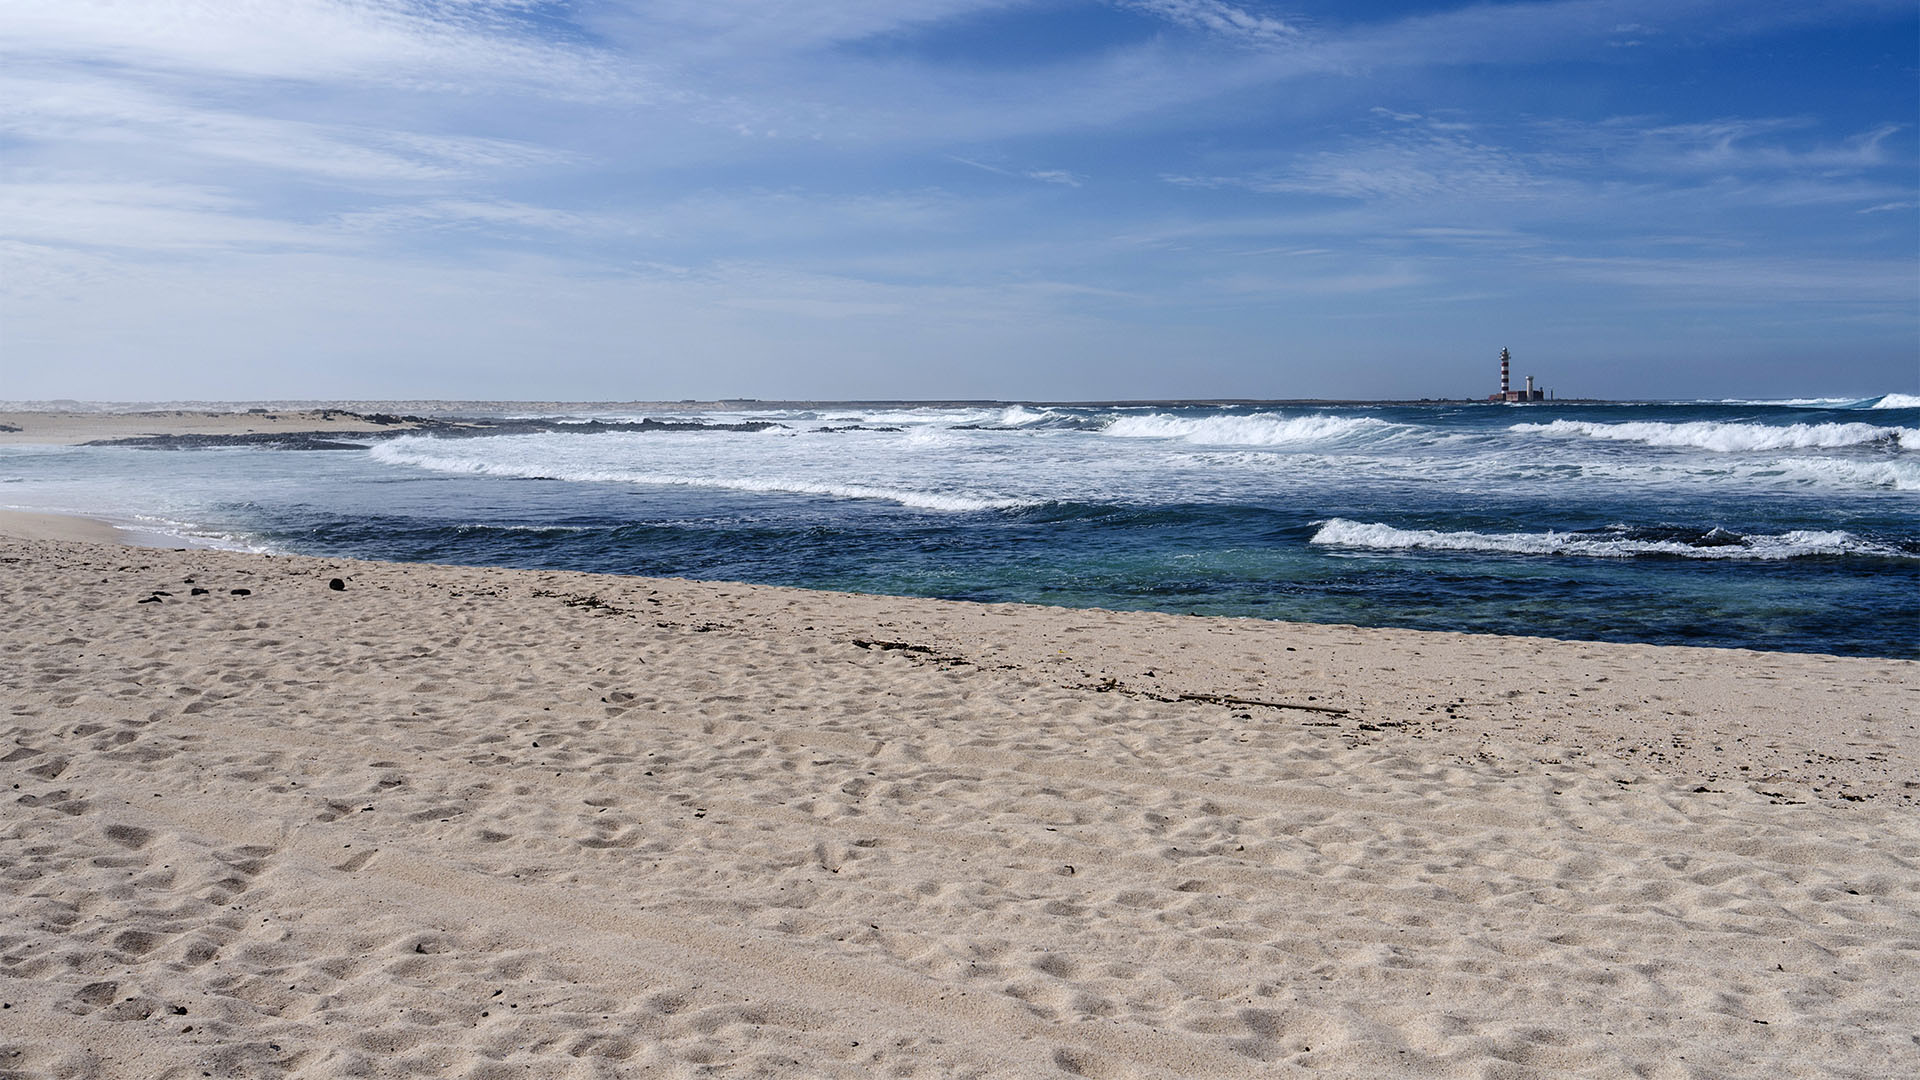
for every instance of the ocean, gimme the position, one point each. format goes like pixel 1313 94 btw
pixel 1781 525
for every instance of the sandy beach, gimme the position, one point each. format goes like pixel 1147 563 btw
pixel 55 428
pixel 438 821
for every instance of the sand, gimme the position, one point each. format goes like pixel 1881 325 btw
pixel 71 428
pixel 34 526
pixel 482 823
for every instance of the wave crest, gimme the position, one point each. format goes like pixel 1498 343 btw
pixel 1259 429
pixel 1612 544
pixel 420 453
pixel 1731 437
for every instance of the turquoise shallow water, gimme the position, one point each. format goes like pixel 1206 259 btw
pixel 1762 525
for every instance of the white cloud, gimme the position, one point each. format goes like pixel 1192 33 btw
pixel 1738 145
pixel 1055 176
pixel 1539 172
pixel 142 218
pixel 450 45
pixel 1418 163
pixel 483 214
pixel 1063 177
pixel 730 27
pixel 1219 17
pixel 126 123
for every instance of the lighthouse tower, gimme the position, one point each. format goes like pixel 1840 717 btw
pixel 1507 392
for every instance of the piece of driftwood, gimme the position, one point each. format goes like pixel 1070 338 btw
pixel 929 652
pixel 1112 686
pixel 1225 699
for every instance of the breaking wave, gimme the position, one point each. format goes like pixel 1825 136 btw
pixel 1897 401
pixel 1617 543
pixel 1259 429
pixel 421 453
pixel 1732 437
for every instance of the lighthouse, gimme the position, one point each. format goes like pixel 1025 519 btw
pixel 1507 393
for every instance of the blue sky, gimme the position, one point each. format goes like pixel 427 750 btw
pixel 1065 199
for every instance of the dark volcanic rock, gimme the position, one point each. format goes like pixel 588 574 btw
pixel 417 425
pixel 277 440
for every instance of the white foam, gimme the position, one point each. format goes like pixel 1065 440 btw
pixel 1731 437
pixel 1339 532
pixel 1021 416
pixel 1898 401
pixel 1258 429
pixel 189 535
pixel 1897 474
pixel 522 457
pixel 1793 403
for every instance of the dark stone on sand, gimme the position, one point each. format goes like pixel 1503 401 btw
pixel 198 591
pixel 240 592
pixel 150 600
pixel 337 585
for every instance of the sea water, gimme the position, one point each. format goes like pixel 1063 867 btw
pixel 1769 525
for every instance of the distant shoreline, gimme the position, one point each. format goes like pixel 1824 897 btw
pixel 446 408
pixel 313 424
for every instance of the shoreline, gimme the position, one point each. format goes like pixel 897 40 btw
pixel 446 820
pixel 38 525
pixel 89 529
pixel 84 528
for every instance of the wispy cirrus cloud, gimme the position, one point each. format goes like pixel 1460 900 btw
pixel 1218 17
pixel 1753 145
pixel 143 218
pixel 1431 166
pixel 1579 169
pixel 444 45
pixel 1063 177
pixel 127 121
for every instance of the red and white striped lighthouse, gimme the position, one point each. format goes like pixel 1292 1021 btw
pixel 1504 360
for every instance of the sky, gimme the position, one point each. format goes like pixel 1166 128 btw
pixel 1006 199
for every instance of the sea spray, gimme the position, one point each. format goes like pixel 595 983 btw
pixel 1721 437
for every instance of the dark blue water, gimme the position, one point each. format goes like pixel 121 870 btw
pixel 1789 527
